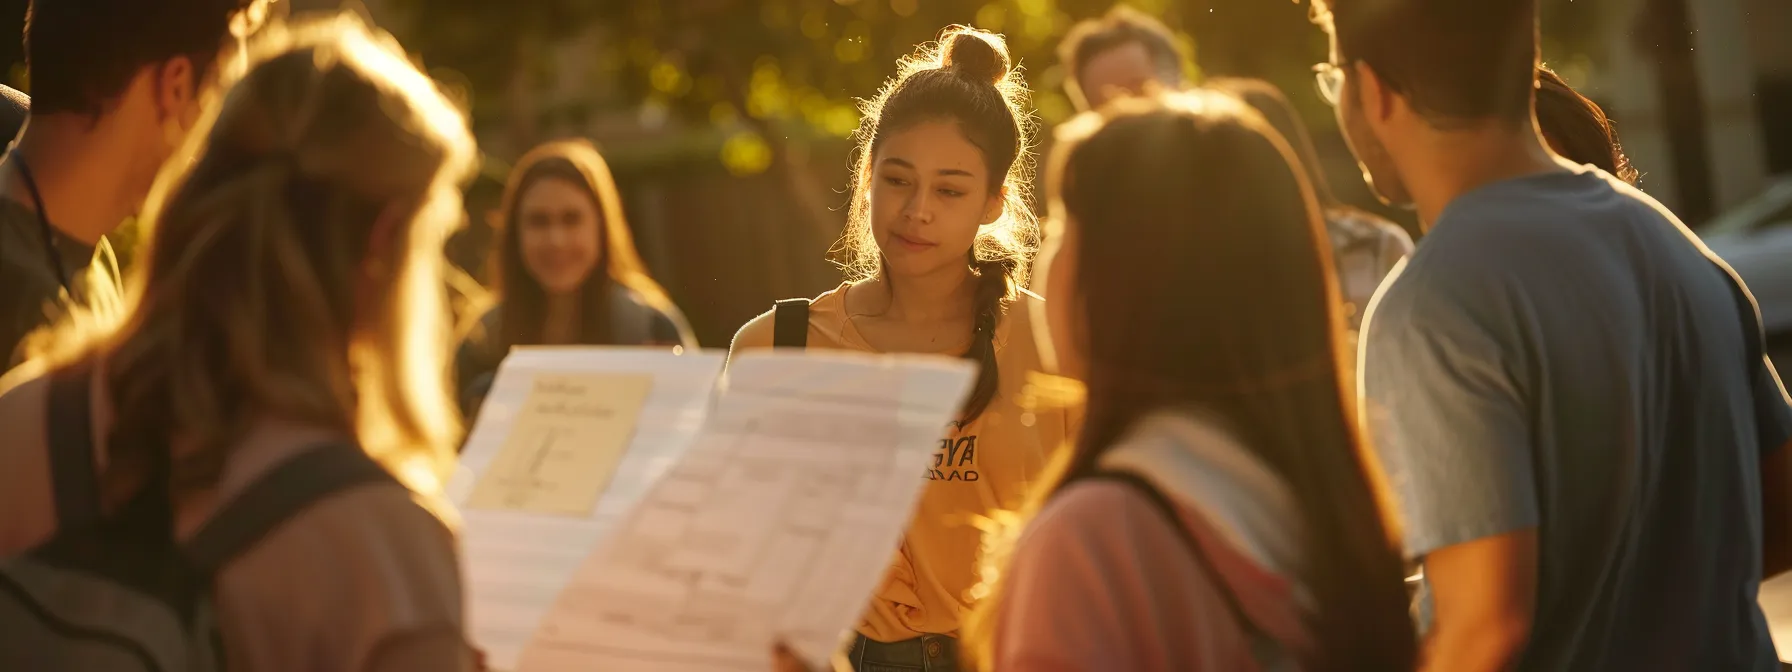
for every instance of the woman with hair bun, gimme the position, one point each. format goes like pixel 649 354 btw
pixel 936 252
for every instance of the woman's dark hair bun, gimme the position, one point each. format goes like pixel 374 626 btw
pixel 976 55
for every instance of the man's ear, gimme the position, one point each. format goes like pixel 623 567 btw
pixel 177 90
pixel 1378 100
pixel 998 204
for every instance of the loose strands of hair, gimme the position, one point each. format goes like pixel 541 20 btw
pixel 965 77
pixel 1579 127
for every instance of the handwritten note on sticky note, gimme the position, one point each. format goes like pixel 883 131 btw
pixel 564 445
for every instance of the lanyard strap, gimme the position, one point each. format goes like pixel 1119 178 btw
pixel 43 221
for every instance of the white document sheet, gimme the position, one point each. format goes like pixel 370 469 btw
pixel 567 441
pixel 777 523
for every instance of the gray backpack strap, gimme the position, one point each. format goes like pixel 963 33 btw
pixel 290 488
pixel 790 324
pixel 72 472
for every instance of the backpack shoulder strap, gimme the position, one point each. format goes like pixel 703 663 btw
pixel 1169 510
pixel 290 488
pixel 72 472
pixel 790 324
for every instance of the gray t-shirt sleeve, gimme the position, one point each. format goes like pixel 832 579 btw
pixel 1447 420
pixel 1773 409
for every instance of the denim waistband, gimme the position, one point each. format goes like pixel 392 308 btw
pixel 927 653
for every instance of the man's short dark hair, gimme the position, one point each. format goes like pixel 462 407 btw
pixel 1119 27
pixel 1454 60
pixel 82 54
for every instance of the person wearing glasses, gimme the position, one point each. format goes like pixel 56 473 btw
pixel 1566 391
pixel 1126 53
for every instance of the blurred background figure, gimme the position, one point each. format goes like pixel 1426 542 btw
pixel 1216 512
pixel 567 270
pixel 1365 246
pixel 1122 53
pixel 1125 53
pixel 288 309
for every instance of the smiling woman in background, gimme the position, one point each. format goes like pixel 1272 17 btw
pixel 567 269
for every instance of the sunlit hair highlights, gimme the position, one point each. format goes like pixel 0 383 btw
pixel 1578 128
pixel 1174 201
pixel 524 307
pixel 295 269
pixel 965 77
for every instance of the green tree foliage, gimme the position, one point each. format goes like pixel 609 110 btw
pixel 798 66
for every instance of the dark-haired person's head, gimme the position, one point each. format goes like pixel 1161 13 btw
pixel 1578 129
pixel 1122 53
pixel 132 74
pixel 1403 71
pixel 1273 106
pixel 1127 294
pixel 941 183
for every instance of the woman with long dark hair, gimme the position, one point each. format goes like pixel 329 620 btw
pixel 1577 128
pixel 1219 510
pixel 1365 247
pixel 567 269
pixel 937 250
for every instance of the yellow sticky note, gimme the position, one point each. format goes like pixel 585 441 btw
pixel 564 445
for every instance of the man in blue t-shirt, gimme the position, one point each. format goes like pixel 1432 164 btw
pixel 1564 388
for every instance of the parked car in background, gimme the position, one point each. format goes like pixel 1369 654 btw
pixel 1756 239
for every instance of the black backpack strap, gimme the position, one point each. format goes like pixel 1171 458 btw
pixel 290 488
pixel 72 471
pixel 790 323
pixel 1164 506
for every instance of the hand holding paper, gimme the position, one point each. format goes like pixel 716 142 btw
pixel 775 524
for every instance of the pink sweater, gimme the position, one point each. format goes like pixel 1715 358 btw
pixel 1100 580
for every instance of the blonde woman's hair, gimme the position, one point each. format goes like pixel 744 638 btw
pixel 294 269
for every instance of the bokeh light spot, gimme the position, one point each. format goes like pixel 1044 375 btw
pixel 745 153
